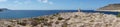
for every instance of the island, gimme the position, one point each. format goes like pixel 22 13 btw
pixel 111 8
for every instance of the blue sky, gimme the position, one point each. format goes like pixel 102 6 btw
pixel 55 4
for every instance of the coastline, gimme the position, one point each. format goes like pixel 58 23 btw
pixel 109 10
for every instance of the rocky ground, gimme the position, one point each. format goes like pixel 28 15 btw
pixel 75 19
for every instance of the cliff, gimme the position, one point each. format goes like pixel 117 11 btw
pixel 75 19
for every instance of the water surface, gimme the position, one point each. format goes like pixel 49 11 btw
pixel 34 13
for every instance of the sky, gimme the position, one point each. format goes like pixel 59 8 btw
pixel 55 4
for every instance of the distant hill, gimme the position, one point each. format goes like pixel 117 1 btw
pixel 110 7
pixel 3 9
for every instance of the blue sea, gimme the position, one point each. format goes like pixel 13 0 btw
pixel 11 14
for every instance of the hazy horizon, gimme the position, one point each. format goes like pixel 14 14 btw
pixel 55 4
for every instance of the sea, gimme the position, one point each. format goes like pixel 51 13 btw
pixel 11 14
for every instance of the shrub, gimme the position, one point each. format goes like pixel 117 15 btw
pixel 118 15
pixel 64 25
pixel 75 16
pixel 9 26
pixel 34 23
pixel 56 22
pixel 51 18
pixel 40 19
pixel 47 24
pixel 22 23
pixel 60 18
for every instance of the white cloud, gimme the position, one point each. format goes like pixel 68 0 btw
pixel 18 2
pixel 3 0
pixel 45 1
pixel 21 2
pixel 28 1
pixel 50 2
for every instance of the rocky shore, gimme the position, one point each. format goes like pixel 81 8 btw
pixel 70 19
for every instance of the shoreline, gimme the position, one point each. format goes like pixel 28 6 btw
pixel 109 10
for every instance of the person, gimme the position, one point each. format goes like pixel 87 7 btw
pixel 78 9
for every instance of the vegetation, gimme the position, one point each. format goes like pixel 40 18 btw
pixel 118 15
pixel 9 26
pixel 35 23
pixel 51 18
pixel 75 16
pixel 40 19
pixel 64 25
pixel 55 14
pixel 60 18
pixel 22 23
pixel 56 22
pixel 47 24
